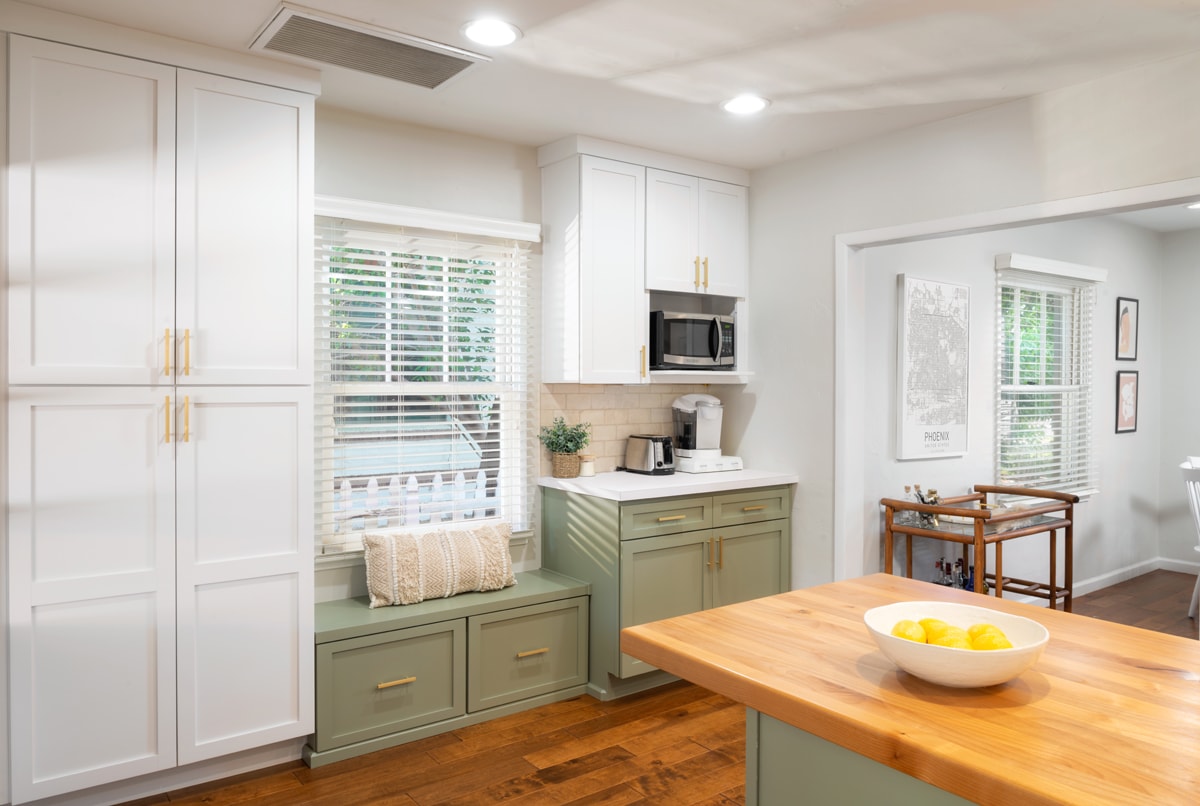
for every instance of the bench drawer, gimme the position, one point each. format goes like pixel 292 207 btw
pixel 527 651
pixel 380 684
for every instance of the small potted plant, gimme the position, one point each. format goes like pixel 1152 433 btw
pixel 564 443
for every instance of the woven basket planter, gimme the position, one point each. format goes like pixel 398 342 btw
pixel 565 465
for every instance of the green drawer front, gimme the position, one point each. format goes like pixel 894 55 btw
pixel 424 665
pixel 665 517
pixel 527 651
pixel 750 506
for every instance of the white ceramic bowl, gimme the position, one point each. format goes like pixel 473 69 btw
pixel 948 666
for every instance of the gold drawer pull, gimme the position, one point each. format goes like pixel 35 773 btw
pixel 531 652
pixel 404 681
pixel 754 509
pixel 666 518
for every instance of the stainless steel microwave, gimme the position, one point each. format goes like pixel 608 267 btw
pixel 691 341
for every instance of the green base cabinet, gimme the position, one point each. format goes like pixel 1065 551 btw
pixel 651 560
pixel 395 674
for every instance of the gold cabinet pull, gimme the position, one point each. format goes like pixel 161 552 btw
pixel 529 653
pixel 404 681
pixel 167 419
pixel 187 352
pixel 720 553
pixel 754 508
pixel 187 418
pixel 705 274
pixel 697 281
pixel 667 518
pixel 167 351
pixel 643 361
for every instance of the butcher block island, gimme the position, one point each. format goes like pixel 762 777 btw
pixel 1108 715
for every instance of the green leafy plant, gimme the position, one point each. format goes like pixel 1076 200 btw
pixel 563 438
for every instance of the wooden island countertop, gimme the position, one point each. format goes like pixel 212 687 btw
pixel 1108 715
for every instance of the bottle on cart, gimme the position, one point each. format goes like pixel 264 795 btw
pixel 904 515
pixel 933 500
pixel 960 577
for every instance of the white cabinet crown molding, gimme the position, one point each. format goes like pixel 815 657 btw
pixel 579 144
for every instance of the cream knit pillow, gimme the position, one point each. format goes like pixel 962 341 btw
pixel 406 568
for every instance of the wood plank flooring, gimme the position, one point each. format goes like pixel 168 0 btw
pixel 677 744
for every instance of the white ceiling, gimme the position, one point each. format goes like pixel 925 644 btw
pixel 652 73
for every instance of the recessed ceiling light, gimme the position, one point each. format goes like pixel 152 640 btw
pixel 1194 206
pixel 492 32
pixel 745 105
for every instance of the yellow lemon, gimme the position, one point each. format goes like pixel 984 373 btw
pixel 910 630
pixel 952 636
pixel 991 640
pixel 932 627
pixel 975 629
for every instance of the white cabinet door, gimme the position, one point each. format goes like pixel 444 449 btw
pixel 244 233
pixel 672 210
pixel 724 238
pixel 614 318
pixel 91 580
pixel 90 209
pixel 696 235
pixel 245 568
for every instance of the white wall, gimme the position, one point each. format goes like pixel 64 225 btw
pixel 1139 128
pixel 1116 527
pixel 1180 433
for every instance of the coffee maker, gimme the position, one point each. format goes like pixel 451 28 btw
pixel 698 435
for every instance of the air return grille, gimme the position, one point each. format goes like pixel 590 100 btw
pixel 358 47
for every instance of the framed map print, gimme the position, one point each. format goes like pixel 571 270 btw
pixel 933 363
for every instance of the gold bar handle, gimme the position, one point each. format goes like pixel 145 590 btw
pixel 697 281
pixel 187 418
pixel 705 274
pixel 167 419
pixel 754 508
pixel 167 351
pixel 531 652
pixel 187 352
pixel 643 361
pixel 667 518
pixel 404 681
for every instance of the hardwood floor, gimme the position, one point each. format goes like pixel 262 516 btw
pixel 677 744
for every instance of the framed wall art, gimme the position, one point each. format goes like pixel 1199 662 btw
pixel 1127 329
pixel 933 368
pixel 1127 401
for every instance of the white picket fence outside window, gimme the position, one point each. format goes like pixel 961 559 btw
pixel 396 504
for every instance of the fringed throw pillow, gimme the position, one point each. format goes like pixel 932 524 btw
pixel 406 568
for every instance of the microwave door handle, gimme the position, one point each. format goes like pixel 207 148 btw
pixel 714 339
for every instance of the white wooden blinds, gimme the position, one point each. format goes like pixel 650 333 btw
pixel 424 390
pixel 1044 378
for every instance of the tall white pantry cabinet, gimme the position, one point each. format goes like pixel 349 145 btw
pixel 160 554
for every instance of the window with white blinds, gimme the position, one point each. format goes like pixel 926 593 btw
pixel 1044 382
pixel 424 391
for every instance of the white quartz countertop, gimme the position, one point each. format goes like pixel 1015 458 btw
pixel 621 485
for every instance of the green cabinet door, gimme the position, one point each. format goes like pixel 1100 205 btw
pixel 662 577
pixel 751 562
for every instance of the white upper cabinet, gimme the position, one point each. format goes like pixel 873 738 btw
pixel 142 253
pixel 595 312
pixel 696 235
pixel 91 212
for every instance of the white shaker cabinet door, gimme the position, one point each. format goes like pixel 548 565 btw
pixel 245 233
pixel 91 580
pixel 614 315
pixel 245 575
pixel 90 209
pixel 724 238
pixel 673 262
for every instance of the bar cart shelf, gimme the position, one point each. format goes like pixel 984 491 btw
pixel 975 523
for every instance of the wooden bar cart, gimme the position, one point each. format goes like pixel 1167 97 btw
pixel 974 523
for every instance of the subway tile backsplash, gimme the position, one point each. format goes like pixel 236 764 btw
pixel 615 412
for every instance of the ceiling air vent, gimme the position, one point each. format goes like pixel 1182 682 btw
pixel 358 46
